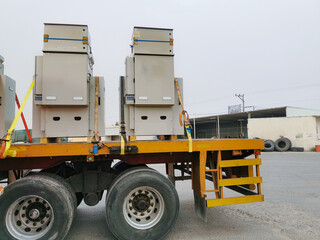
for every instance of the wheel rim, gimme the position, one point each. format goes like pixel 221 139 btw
pixel 29 218
pixel 143 207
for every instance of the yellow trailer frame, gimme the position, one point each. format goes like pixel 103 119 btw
pixel 210 159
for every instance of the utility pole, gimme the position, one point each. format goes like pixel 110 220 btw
pixel 241 96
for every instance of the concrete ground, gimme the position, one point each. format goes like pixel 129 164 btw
pixel 291 209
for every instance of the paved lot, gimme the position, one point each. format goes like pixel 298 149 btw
pixel 291 209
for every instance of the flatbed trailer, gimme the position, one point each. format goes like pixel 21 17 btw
pixel 141 203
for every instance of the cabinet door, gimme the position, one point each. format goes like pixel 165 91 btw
pixel 65 79
pixel 154 80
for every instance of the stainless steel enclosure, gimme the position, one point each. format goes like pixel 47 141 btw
pixel 7 103
pixel 66 38
pixel 157 41
pixel 151 105
pixel 64 95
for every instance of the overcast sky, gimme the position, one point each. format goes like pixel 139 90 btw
pixel 269 50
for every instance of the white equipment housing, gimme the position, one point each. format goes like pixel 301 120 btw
pixel 7 100
pixel 151 104
pixel 64 94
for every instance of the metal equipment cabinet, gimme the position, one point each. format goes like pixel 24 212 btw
pixel 66 38
pixel 152 41
pixel 64 84
pixel 150 98
pixel 7 100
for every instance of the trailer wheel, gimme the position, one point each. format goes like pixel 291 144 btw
pixel 67 171
pixel 122 166
pixel 283 144
pixel 36 207
pixel 141 204
pixel 64 182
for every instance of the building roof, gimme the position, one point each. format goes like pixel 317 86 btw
pixel 286 111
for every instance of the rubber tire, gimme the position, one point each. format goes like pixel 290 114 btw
pixel 123 166
pixel 49 189
pixel 79 195
pixel 69 169
pixel 297 149
pixel 122 186
pixel 280 142
pixel 65 183
pixel 269 145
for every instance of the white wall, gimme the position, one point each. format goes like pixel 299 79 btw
pixel 318 127
pixel 299 112
pixel 302 131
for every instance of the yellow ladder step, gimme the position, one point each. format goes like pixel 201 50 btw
pixel 241 162
pixel 212 191
pixel 234 200
pixel 239 181
pixel 211 170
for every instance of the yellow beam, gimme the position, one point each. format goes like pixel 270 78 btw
pixel 250 174
pixel 239 163
pixel 203 161
pixel 77 149
pixel 240 181
pixel 234 200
